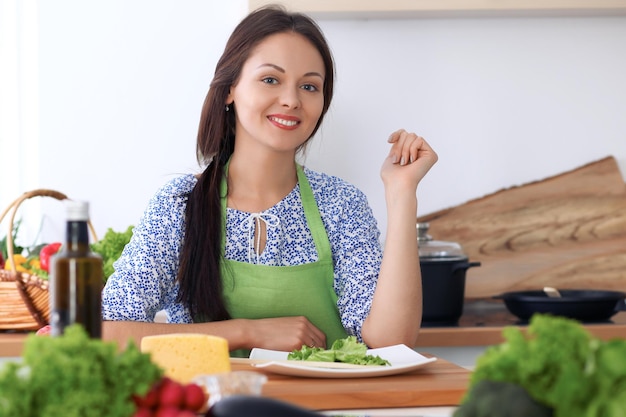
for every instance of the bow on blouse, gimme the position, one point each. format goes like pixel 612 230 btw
pixel 252 222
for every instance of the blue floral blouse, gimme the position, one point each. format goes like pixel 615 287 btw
pixel 144 281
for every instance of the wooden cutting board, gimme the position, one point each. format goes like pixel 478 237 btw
pixel 440 383
pixel 565 231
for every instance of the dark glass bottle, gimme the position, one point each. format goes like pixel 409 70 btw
pixel 76 277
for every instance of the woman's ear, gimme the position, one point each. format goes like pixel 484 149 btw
pixel 229 97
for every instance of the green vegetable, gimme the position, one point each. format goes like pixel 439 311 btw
pixel 561 365
pixel 4 250
pixel 347 350
pixel 75 376
pixel 110 248
pixel 500 399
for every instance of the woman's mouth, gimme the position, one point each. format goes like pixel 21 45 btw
pixel 284 123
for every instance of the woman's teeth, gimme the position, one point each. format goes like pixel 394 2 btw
pixel 284 122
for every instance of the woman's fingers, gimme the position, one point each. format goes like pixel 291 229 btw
pixel 405 146
pixel 287 333
pixel 408 150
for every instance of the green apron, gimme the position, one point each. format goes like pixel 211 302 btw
pixel 262 291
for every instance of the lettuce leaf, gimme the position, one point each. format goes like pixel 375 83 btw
pixel 347 350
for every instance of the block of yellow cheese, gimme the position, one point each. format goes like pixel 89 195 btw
pixel 184 356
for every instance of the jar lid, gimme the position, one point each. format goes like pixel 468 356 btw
pixel 429 248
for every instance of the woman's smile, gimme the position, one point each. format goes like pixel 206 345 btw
pixel 284 121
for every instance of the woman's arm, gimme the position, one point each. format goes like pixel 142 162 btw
pixel 284 333
pixel 396 311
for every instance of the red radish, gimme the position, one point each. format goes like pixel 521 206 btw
pixel 186 413
pixel 171 393
pixel 44 331
pixel 151 398
pixel 143 412
pixel 194 397
pixel 167 411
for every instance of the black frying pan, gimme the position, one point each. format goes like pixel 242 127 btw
pixel 583 305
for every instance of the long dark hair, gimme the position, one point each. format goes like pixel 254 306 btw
pixel 199 273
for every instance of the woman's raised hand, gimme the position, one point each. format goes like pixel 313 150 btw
pixel 409 159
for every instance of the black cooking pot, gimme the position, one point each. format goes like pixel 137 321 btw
pixel 584 305
pixel 443 266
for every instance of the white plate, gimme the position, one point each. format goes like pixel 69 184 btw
pixel 402 359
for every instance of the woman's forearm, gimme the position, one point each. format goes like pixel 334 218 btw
pixel 122 332
pixel 396 312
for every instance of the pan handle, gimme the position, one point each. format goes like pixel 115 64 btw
pixel 464 265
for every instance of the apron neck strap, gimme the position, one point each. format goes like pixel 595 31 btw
pixel 311 211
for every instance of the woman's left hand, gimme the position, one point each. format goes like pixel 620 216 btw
pixel 409 159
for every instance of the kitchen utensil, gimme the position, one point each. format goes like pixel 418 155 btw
pixel 585 304
pixel 552 292
pixel 444 267
pixel 242 405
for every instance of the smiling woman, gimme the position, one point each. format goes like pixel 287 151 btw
pixel 257 248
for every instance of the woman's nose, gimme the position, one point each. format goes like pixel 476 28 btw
pixel 290 97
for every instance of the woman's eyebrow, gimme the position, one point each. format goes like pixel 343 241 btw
pixel 281 69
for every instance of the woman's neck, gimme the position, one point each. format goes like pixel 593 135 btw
pixel 257 183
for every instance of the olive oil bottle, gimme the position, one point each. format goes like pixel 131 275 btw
pixel 76 277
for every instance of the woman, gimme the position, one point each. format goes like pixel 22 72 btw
pixel 258 249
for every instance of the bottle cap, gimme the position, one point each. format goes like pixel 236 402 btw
pixel 77 210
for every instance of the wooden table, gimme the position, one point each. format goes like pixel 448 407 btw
pixel 440 383
pixel 11 344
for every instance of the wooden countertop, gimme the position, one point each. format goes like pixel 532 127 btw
pixel 483 320
pixel 440 383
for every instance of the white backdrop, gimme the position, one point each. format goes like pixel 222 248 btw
pixel 504 101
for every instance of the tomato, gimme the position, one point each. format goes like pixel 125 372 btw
pixel 45 254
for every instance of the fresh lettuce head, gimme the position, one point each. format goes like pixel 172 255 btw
pixel 561 365
pixel 110 247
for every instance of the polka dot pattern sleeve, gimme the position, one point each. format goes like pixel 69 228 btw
pixel 144 281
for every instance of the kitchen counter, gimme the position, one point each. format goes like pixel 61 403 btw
pixel 437 384
pixel 481 324
pixel 483 320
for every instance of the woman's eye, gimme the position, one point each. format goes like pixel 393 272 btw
pixel 270 80
pixel 310 87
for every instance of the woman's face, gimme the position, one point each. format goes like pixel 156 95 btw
pixel 279 95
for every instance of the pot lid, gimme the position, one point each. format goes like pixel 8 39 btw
pixel 429 248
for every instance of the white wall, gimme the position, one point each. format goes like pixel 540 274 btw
pixel 122 85
pixel 503 101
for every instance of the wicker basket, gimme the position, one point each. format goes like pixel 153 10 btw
pixel 24 301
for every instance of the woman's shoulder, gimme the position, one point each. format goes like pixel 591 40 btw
pixel 324 184
pixel 174 192
pixel 177 186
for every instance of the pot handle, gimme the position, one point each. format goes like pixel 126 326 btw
pixel 464 265
pixel 621 305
